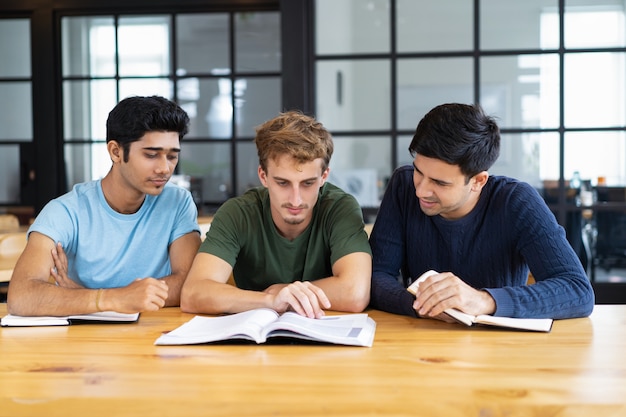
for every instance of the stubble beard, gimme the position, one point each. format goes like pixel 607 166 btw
pixel 293 221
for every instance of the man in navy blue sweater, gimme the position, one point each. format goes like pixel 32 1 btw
pixel 481 233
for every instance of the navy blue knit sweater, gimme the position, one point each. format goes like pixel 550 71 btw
pixel 492 248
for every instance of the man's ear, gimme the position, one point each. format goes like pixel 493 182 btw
pixel 325 175
pixel 115 151
pixel 479 180
pixel 262 176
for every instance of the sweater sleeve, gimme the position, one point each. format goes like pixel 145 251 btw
pixel 388 248
pixel 562 289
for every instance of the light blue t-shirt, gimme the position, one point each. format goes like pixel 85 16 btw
pixel 107 249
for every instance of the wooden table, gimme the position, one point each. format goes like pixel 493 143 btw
pixel 417 367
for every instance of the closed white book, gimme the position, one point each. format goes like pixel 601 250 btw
pixel 100 317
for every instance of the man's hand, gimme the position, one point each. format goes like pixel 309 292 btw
pixel 445 290
pixel 300 296
pixel 144 294
pixel 59 271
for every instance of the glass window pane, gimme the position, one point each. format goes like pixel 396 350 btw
pixel 247 167
pixel 529 157
pixel 86 106
pixel 202 44
pixel 86 162
pixel 594 89
pixel 535 24
pixel 16 114
pixel 352 26
pixel 256 100
pixel 594 24
pixel 605 158
pixel 426 83
pixel 88 46
pixel 521 90
pixel 354 95
pixel 212 112
pixel 143 46
pixel 434 25
pixel 257 42
pixel 10 174
pixel 209 106
pixel 402 152
pixel 209 166
pixel 146 87
pixel 15 47
pixel 360 166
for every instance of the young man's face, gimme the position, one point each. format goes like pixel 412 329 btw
pixel 442 190
pixel 293 191
pixel 151 162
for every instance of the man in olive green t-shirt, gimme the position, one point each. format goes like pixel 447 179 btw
pixel 296 243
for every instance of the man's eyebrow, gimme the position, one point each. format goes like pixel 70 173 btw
pixel 285 179
pixel 158 149
pixel 443 182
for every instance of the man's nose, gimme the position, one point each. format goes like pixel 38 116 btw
pixel 422 189
pixel 295 199
pixel 163 165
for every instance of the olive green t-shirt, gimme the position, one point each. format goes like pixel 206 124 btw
pixel 243 234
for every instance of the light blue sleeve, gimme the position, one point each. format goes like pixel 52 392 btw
pixel 59 222
pixel 186 215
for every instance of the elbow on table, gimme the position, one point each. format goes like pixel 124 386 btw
pixel 577 307
pixel 358 306
pixel 359 302
pixel 16 306
pixel 588 300
pixel 189 306
pixel 195 302
pixel 589 305
pixel 188 302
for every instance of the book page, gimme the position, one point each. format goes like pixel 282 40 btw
pixel 460 316
pixel 539 325
pixel 414 287
pixel 112 316
pixel 347 329
pixel 247 325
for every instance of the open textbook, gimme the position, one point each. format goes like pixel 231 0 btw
pixel 260 324
pixel 100 317
pixel 537 325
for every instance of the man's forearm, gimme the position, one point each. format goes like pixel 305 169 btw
pixel 389 295
pixel 174 285
pixel 346 294
pixel 39 298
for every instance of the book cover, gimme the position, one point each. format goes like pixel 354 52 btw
pixel 100 317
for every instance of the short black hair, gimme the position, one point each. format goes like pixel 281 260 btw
pixel 134 116
pixel 458 134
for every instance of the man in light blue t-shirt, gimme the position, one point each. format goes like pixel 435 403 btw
pixel 122 243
